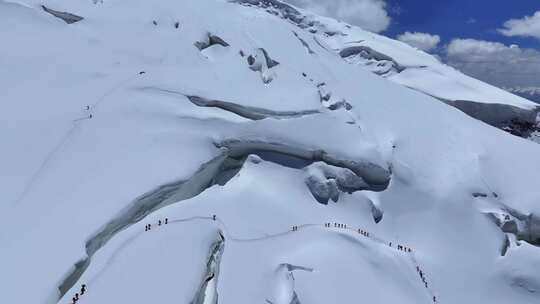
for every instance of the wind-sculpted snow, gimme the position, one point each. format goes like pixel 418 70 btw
pixel 368 53
pixel 252 113
pixel 219 171
pixel 424 73
pixel 375 177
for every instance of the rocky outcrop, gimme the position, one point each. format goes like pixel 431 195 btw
pixel 65 16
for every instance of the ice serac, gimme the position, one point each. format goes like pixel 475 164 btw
pixel 207 292
pixel 218 171
pixel 326 182
pixel 206 176
pixel 515 120
pixel 210 40
pixel 414 69
pixel 374 176
pixel 378 63
pixel 284 284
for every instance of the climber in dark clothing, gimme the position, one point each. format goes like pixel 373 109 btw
pixel 83 289
pixel 214 217
pixel 159 223
pixel 149 226
pixel 166 221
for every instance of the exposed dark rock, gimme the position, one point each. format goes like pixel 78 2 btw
pixel 65 16
pixel 209 41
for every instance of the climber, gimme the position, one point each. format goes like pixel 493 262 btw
pixel 77 296
pixel 142 72
pixel 176 24
pixel 87 108
pixel 159 222
pixel 166 221
pixel 149 226
pixel 434 299
pixel 145 227
pixel 214 217
pixel 390 244
pixel 83 289
pixel 90 116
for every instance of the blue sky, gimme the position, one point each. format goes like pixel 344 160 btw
pixel 477 19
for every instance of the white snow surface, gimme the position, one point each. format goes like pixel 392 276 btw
pixel 65 175
pixel 422 72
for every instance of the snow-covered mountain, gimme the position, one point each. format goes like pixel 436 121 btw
pixel 531 93
pixel 270 164
pixel 414 69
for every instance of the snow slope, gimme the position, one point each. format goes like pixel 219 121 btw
pixel 414 69
pixel 171 131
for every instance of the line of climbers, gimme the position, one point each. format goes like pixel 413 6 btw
pixel 148 227
pixel 424 280
pixel 364 233
pixel 76 297
pixel 401 247
pixel 336 225
pixel 88 107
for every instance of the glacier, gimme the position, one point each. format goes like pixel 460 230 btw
pixel 296 158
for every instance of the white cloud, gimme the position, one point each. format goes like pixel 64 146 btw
pixel 494 62
pixel 370 15
pixel 528 26
pixel 422 41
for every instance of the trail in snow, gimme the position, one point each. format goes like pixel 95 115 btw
pixel 294 229
pixel 44 164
